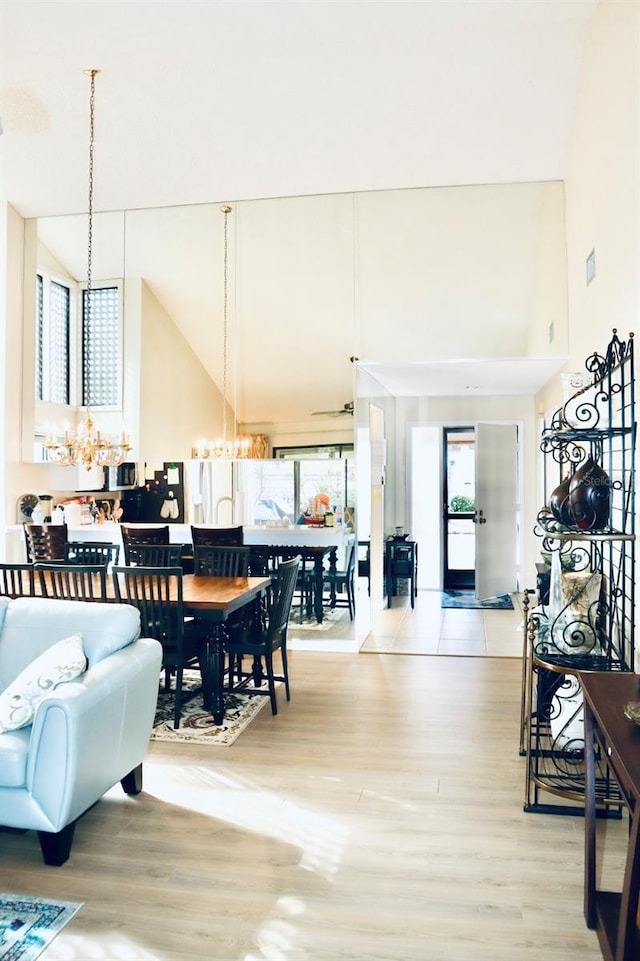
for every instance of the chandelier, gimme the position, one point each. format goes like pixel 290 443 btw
pixel 224 447
pixel 87 446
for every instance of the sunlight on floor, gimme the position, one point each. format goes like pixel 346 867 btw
pixel 249 806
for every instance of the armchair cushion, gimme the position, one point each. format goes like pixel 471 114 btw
pixel 63 661
pixel 31 625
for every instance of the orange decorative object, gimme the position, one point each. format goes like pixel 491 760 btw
pixel 319 504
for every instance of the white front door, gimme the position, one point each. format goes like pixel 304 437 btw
pixel 496 509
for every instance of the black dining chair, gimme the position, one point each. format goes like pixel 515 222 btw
pixel 91 552
pixel 262 640
pixel 216 536
pixel 341 582
pixel 73 582
pixel 224 562
pixel 155 555
pixel 136 536
pixel 265 561
pixel 16 580
pixel 157 594
pixel 45 542
pixel 221 561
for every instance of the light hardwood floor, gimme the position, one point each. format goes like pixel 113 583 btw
pixel 378 817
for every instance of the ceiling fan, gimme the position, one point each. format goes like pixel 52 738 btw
pixel 345 409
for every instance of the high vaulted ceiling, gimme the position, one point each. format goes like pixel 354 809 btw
pixel 200 100
pixel 205 101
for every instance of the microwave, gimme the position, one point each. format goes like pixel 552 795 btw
pixel 122 477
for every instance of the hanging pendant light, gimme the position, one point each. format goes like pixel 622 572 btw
pixel 87 446
pixel 224 447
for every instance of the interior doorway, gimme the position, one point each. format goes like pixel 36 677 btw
pixel 487 551
pixel 459 508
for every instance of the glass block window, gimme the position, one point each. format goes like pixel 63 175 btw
pixel 53 313
pixel 101 349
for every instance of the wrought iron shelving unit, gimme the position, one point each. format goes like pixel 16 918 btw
pixel 592 629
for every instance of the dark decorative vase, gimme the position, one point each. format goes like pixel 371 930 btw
pixel 559 503
pixel 589 494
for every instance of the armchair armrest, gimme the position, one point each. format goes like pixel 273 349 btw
pixel 90 734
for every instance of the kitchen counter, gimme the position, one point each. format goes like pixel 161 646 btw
pixel 302 534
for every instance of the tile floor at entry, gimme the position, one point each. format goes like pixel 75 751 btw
pixel 430 629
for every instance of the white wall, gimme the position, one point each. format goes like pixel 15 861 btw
pixel 603 183
pixel 178 401
pixel 458 271
pixel 19 477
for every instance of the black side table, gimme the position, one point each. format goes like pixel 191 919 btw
pixel 401 560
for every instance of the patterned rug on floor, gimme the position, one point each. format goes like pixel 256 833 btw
pixel 329 620
pixel 196 724
pixel 467 599
pixel 29 925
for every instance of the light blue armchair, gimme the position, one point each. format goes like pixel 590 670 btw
pixel 87 733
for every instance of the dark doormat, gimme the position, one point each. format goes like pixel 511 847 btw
pixel 468 599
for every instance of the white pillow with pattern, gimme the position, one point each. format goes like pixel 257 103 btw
pixel 59 663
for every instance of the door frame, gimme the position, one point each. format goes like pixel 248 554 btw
pixel 463 579
pixel 426 525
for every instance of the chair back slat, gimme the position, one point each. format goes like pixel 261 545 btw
pixel 73 582
pixel 221 561
pixel 17 580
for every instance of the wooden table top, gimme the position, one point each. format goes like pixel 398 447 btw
pixel 200 592
pixel 606 693
pixel 223 594
pixel 220 595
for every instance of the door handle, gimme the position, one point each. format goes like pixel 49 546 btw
pixel 481 518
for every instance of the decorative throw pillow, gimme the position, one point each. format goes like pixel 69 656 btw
pixel 61 662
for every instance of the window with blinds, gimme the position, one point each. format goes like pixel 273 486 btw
pixel 53 307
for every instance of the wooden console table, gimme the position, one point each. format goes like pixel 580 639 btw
pixel 617 739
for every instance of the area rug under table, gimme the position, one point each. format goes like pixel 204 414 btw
pixel 197 725
pixel 467 599
pixel 330 618
pixel 29 925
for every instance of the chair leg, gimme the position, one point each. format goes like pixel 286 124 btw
pixel 178 705
pixel 285 670
pixel 231 671
pixel 268 659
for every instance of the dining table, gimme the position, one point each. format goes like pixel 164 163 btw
pixel 212 600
